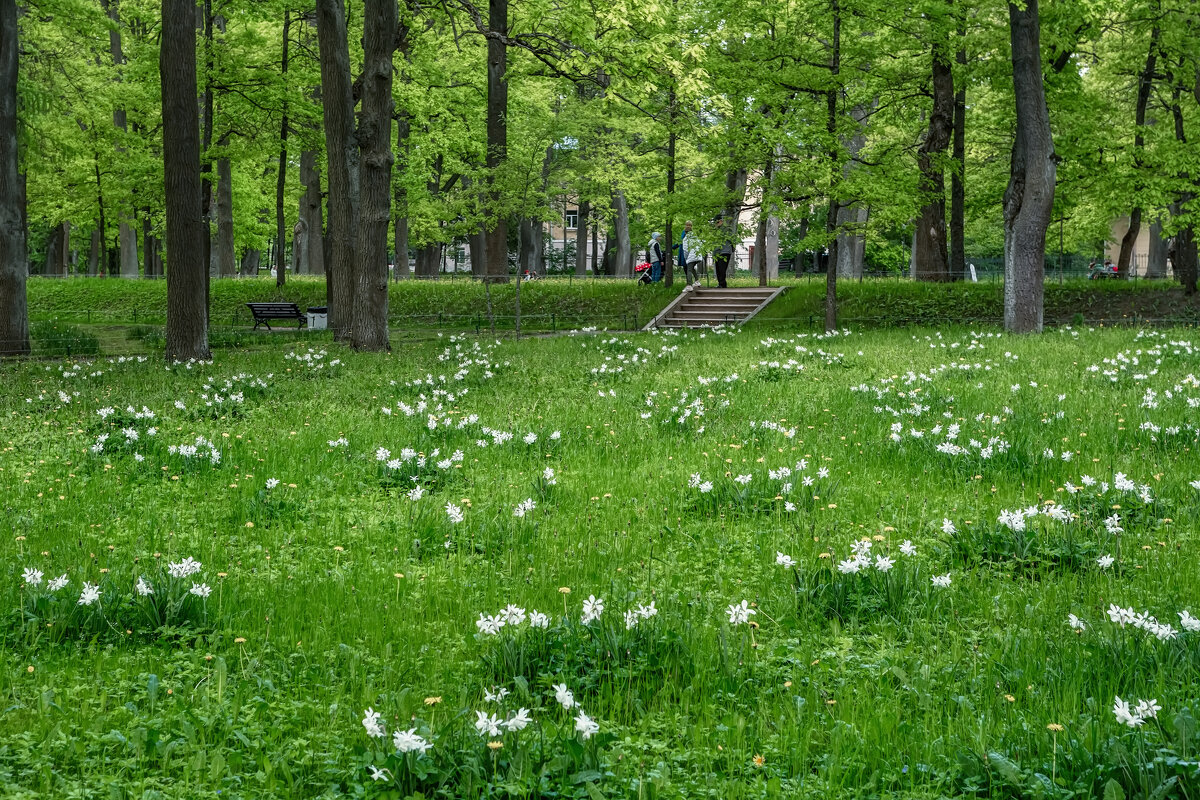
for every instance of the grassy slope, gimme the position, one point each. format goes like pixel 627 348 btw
pixel 560 304
pixel 859 686
pixel 458 303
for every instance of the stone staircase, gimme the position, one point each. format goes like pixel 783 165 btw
pixel 709 307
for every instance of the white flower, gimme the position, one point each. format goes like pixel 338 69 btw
pixel 592 609
pixel 454 513
pixel 58 583
pixel 144 589
pixel 706 487
pixel 32 577
pixel 784 560
pixel 883 563
pixel 851 565
pixel 646 612
pixel 383 454
pixel 789 506
pixel 948 527
pixel 740 613
pixel 1186 620
pixel 378 774
pixel 530 438
pixel 1105 561
pixel 416 493
pixel 513 615
pixel 1195 485
pixel 1125 715
pixel 91 593
pixel 1113 524
pixel 518 721
pixel 1147 709
pixel 201 589
pixel 272 483
pixel 586 725
pixel 908 548
pixel 409 742
pixel 371 722
pixel 487 724
pixel 1076 623
pixel 548 476
pixel 941 580
pixel 564 697
pixel 556 435
pixel 743 479
pixel 631 620
pixel 538 620
pixel 489 626
pixel 494 697
pixel 182 569
pixel 524 507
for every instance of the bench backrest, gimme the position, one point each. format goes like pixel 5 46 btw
pixel 274 309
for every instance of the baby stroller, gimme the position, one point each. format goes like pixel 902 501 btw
pixel 642 271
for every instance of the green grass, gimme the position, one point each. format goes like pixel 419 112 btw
pixel 454 304
pixel 334 592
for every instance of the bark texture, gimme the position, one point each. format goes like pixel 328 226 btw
pixel 932 260
pixel 497 137
pixel 14 309
pixel 581 239
pixel 187 323
pixel 225 257
pixel 342 154
pixel 1029 198
pixel 370 328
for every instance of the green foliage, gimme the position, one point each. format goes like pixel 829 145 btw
pixel 53 338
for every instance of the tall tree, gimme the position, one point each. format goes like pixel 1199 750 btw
pixel 187 323
pixel 342 156
pixel 281 175
pixel 931 260
pixel 497 136
pixel 370 331
pixel 1145 83
pixel 126 237
pixel 1029 198
pixel 14 311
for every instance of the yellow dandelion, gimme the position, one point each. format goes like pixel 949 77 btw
pixel 758 760
pixel 1054 727
pixel 495 745
pixel 433 701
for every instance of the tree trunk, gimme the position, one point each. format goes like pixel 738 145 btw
pixel 831 98
pixel 1156 261
pixel 403 269
pixel 126 236
pixel 595 247
pixel 851 240
pixel 931 257
pixel 622 265
pixel 1029 198
pixel 581 238
pixel 281 174
pixel 250 261
pixel 758 261
pixel 958 195
pixel 63 266
pixel 1145 83
pixel 187 324
pixel 14 309
pixel 94 254
pixel 1185 260
pixel 669 244
pixel 206 211
pixel 771 248
pixel 427 260
pixel 497 138
pixel 342 155
pixel 226 259
pixel 310 212
pixel 370 332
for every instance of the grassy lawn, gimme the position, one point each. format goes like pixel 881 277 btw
pixel 893 563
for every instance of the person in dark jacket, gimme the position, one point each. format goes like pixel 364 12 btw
pixel 723 255
pixel 654 253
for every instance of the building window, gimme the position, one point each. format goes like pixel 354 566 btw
pixel 572 218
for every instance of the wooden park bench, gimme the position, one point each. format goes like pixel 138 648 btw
pixel 265 312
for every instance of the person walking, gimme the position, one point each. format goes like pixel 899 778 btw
pixel 689 256
pixel 654 254
pixel 723 256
